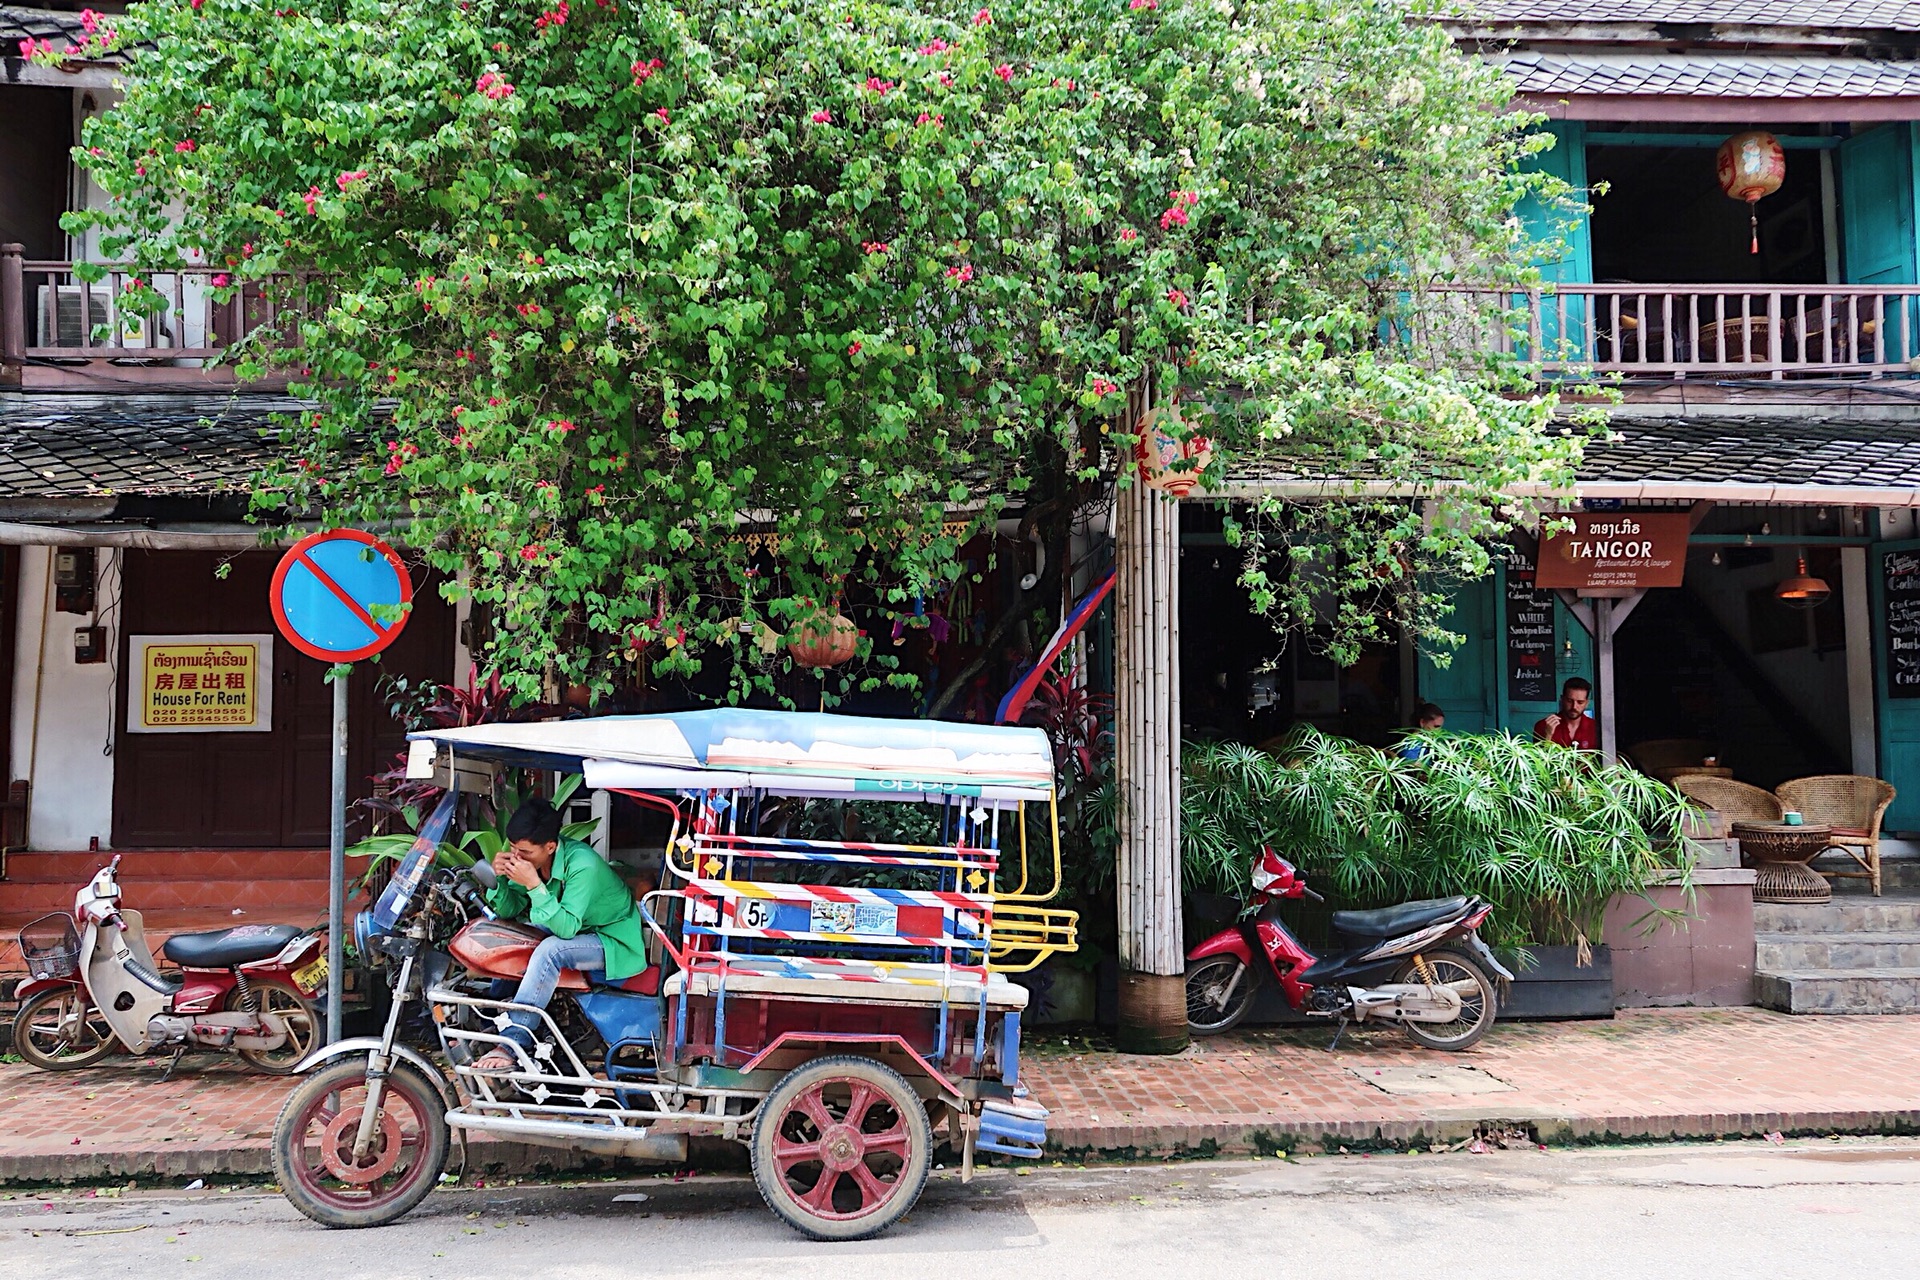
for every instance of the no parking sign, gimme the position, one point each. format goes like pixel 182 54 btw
pixel 331 591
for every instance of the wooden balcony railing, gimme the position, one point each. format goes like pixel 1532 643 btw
pixel 57 330
pixel 1714 330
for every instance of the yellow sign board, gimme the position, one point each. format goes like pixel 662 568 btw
pixel 200 684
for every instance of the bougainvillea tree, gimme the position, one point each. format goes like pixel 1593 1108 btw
pixel 593 289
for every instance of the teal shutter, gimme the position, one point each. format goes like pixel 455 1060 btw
pixel 1877 206
pixel 1466 687
pixel 1567 161
pixel 1898 718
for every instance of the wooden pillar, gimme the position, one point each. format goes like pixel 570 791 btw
pixel 1153 1003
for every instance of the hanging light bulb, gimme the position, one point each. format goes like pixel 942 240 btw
pixel 1716 555
pixel 1802 590
pixel 1748 542
pixel 1766 528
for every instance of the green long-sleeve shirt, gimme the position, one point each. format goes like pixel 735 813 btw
pixel 582 895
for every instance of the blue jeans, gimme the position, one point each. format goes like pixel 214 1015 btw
pixel 583 952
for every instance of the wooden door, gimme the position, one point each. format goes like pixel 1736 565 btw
pixel 251 790
pixel 1876 205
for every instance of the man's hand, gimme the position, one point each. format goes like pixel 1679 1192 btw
pixel 1553 724
pixel 519 870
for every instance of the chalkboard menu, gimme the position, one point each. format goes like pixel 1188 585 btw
pixel 1900 576
pixel 1529 616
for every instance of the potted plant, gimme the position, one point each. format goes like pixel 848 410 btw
pixel 1547 835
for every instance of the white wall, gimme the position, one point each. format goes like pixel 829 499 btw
pixel 64 712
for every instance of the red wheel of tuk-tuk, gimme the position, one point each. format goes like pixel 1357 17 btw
pixel 841 1148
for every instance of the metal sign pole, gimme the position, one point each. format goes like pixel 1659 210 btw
pixel 337 861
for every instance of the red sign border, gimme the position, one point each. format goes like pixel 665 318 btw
pixel 297 553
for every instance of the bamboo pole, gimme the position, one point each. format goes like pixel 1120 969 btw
pixel 1147 724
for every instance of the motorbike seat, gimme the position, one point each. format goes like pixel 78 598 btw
pixel 224 948
pixel 646 982
pixel 1387 922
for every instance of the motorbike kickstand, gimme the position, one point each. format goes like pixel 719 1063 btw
pixel 179 1052
pixel 1339 1030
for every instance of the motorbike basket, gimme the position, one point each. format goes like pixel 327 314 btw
pixel 51 947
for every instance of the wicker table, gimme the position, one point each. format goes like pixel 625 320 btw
pixel 1780 853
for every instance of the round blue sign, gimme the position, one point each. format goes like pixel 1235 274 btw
pixel 332 594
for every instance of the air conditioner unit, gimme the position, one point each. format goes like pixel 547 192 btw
pixel 61 324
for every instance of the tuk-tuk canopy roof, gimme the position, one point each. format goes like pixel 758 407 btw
pixel 796 753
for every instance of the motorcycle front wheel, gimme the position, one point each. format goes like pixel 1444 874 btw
pixel 1479 1000
pixel 1210 1009
pixel 313 1141
pixel 60 1030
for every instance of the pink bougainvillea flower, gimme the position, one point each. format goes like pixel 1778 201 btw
pixel 197 4
pixel 560 426
pixel 463 354
pixel 875 246
pixel 642 69
pixel 556 17
pixel 140 170
pixel 853 348
pixel 960 274
pixel 1004 71
pixel 29 47
pixel 89 19
pixel 946 79
pixel 1143 4
pixel 531 552
pixel 1101 387
pixel 662 113
pixel 823 116
pixel 312 198
pixel 493 85
pixel 876 85
pixel 982 18
pixel 348 177
pixel 938 122
pixel 526 310
pixel 934 46
pixel 1128 233
pixel 1176 297
pixel 186 145
pixel 220 280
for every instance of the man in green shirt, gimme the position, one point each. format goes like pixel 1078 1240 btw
pixel 566 888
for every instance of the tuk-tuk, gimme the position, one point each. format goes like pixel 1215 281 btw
pixel 827 1002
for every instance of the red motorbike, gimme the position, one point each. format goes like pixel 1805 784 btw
pixel 247 990
pixel 1421 965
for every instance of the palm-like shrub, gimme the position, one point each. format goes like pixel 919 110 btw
pixel 1547 835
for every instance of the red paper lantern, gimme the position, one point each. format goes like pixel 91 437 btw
pixel 1751 165
pixel 824 640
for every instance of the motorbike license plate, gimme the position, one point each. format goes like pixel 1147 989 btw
pixel 310 978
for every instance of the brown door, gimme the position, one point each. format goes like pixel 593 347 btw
pixel 251 790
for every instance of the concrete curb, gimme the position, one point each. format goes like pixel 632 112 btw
pixel 1079 1141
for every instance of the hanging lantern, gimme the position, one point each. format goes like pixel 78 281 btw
pixel 1751 166
pixel 1167 462
pixel 1802 590
pixel 824 640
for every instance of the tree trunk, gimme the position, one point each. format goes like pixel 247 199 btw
pixel 1152 1007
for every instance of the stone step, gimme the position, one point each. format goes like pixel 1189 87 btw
pixel 1794 952
pixel 1897 875
pixel 1855 991
pixel 1847 913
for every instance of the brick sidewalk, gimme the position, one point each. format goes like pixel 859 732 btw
pixel 1649 1074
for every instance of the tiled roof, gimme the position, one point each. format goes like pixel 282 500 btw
pixel 63 446
pixel 1693 456
pixel 64 29
pixel 1851 454
pixel 1710 75
pixel 1882 15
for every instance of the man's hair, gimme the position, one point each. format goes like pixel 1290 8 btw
pixel 535 821
pixel 1577 682
pixel 1428 711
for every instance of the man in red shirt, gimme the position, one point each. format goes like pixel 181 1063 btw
pixel 1570 726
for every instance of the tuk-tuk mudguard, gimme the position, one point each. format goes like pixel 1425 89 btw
pixel 371 1045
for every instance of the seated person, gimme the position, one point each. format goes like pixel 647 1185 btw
pixel 1427 716
pixel 566 888
pixel 1570 726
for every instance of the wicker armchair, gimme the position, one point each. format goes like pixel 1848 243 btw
pixel 1667 758
pixel 1739 801
pixel 1853 806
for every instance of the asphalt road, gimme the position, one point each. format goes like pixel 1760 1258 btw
pixel 1804 1210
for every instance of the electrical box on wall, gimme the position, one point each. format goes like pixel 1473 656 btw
pixel 73 579
pixel 89 644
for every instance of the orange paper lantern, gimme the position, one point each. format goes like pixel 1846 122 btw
pixel 1752 166
pixel 824 640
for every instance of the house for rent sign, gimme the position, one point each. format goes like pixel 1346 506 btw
pixel 200 684
pixel 1615 550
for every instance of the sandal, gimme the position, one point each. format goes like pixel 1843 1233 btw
pixel 497 1063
